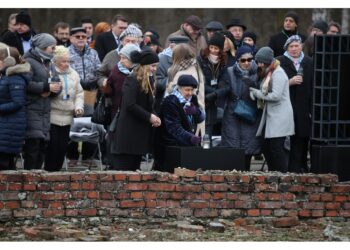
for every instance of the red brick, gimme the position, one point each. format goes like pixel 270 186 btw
pixel 3 187
pixel 340 198
pixel 218 178
pixel 198 204
pixel 172 204
pixel 243 204
pixel 188 188
pixel 326 197
pixel 232 178
pixel 2 205
pixel 88 212
pixel 88 186
pixel 314 189
pixel 106 196
pixel 314 197
pixel 184 172
pixel 148 177
pixel 161 203
pixel 261 196
pixel 270 204
pixel 28 204
pixel 14 187
pixel 163 195
pixel 31 177
pixel 23 213
pixel 292 213
pixel 204 178
pixel 230 196
pixel 9 196
pixel 180 212
pixel 238 187
pixel 135 186
pixel 136 195
pixel 77 177
pixel 286 179
pixel 296 188
pixel 151 203
pixel 177 195
pixel 93 195
pixel 288 196
pixel 55 177
pixel 314 205
pixel 129 203
pixel 29 187
pixel 103 204
pixel 253 212
pixel 205 213
pixel 71 212
pixel 245 178
pixel 90 177
pixel 340 188
pixel 301 178
pixel 221 204
pixel 43 187
pixel 346 205
pixel 106 178
pixel 119 177
pixel 162 187
pixel 165 178
pixel 173 178
pixel 305 213
pixel 265 212
pixel 75 186
pixel 151 195
pixel 122 195
pixel 332 205
pixel 12 204
pixel 217 196
pixel 286 222
pixel 259 178
pixel 274 197
pixel 344 213
pixel 313 180
pixel 317 213
pixel 290 205
pixel 260 187
pixel 134 177
pixel 331 213
pixel 329 179
pixel 55 205
pixel 55 196
pixel 14 178
pixel 78 195
pixel 53 213
pixel 216 187
pixel 59 186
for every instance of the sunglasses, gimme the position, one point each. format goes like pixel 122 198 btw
pixel 243 60
pixel 80 37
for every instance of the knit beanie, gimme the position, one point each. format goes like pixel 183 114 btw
pixel 293 15
pixel 321 25
pixel 294 38
pixel 264 55
pixel 243 50
pixel 250 34
pixel 132 31
pixel 128 48
pixel 145 57
pixel 60 51
pixel 23 17
pixel 43 40
pixel 218 40
pixel 187 81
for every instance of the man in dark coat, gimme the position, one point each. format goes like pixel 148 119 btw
pixel 111 40
pixel 21 38
pixel 290 28
pixel 299 69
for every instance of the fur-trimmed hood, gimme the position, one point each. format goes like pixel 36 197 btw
pixel 18 69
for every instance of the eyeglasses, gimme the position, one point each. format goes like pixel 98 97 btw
pixel 243 60
pixel 80 37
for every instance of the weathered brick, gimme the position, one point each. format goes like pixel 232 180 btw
pixel 188 188
pixel 288 196
pixel 106 196
pixel 340 188
pixel 184 172
pixel 14 178
pixel 346 205
pixel 217 196
pixel 198 204
pixel 274 197
pixel 313 205
pixel 280 212
pixel 266 212
pixel 221 204
pixel 314 197
pixel 93 195
pixel 74 186
pixel 31 177
pixel 1 205
pixel 161 187
pixel 55 177
pixel 261 196
pixel 301 178
pixel 341 198
pixel 148 177
pixel 106 178
pixel 204 178
pixel 122 195
pixel 109 203
pixel 135 186
pixel 216 187
pixel 205 213
pixel 344 213
pixel 326 197
pixel 172 204
pixel 55 196
pixel 90 177
pixel 253 212
pixel 317 213
pixel 218 178
pixel 78 195
pixel 88 212
pixel 30 204
pixel 180 212
pixel 165 178
pixel 136 195
pixel 76 177
pixel 151 203
pixel 29 187
pixel 313 180
pixel 119 177
pixel 259 178
pixel 88 186
pixel 270 204
pixel 331 213
pixel 177 195
pixel 286 179
pixel 8 196
pixel 232 178
pixel 290 205
pixel 231 196
pixel 286 222
pixel 3 187
pixel 14 186
pixel 59 186
pixel 53 213
pixel 43 187
pixel 263 187
pixel 245 178
pixel 130 203
pixel 304 213
pixel 314 189
pixel 163 195
pixel 329 179
pixel 134 177
pixel 12 204
pixel 332 205
pixel 292 213
pixel 24 213
pixel 55 205
pixel 173 178
pixel 243 204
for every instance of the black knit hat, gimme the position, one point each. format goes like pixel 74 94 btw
pixel 154 40
pixel 23 17
pixel 293 15
pixel 321 25
pixel 218 40
pixel 236 22
pixel 145 57
pixel 187 81
pixel 250 34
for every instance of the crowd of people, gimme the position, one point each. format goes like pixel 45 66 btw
pixel 215 82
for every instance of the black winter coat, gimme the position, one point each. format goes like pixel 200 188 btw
pixel 300 95
pixel 105 42
pixel 134 130
pixel 278 40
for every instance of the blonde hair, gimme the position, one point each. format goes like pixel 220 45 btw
pixel 142 76
pixel 60 51
pixel 231 45
pixel 181 53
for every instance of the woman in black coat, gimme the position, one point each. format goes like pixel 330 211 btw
pixel 133 137
pixel 180 114
pixel 14 77
pixel 299 69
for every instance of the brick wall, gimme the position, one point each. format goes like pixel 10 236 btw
pixel 25 194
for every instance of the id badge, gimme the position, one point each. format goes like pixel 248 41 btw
pixel 65 97
pixel 213 82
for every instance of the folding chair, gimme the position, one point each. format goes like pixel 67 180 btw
pixel 83 130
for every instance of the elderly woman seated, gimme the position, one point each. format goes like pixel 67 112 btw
pixel 180 114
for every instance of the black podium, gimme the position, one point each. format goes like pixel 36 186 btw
pixel 217 158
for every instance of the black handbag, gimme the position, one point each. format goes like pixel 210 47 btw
pixel 243 110
pixel 102 113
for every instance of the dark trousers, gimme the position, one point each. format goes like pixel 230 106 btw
pixel 87 151
pixel 7 161
pixel 125 162
pixel 57 147
pixel 34 153
pixel 247 160
pixel 275 154
pixel 298 154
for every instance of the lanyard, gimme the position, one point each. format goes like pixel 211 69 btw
pixel 214 70
pixel 65 84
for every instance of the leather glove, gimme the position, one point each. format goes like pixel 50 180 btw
pixel 190 109
pixel 210 97
pixel 195 140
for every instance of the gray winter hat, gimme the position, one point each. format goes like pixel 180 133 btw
pixel 43 40
pixel 132 31
pixel 128 48
pixel 214 25
pixel 265 55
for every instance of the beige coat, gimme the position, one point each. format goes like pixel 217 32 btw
pixel 62 111
pixel 196 72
